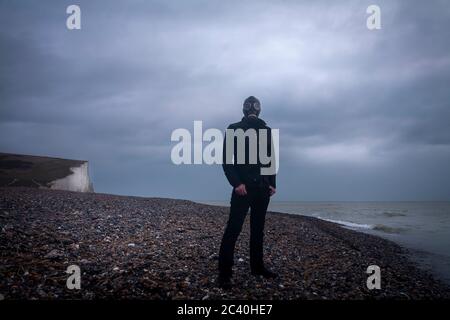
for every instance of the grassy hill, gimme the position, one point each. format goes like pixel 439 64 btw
pixel 33 171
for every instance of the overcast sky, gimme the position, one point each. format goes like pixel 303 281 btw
pixel 363 115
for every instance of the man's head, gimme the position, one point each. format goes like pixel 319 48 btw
pixel 252 107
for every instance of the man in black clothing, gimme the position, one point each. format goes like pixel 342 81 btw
pixel 251 190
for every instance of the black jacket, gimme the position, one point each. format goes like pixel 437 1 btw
pixel 248 174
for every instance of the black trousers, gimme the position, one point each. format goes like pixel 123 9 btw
pixel 257 199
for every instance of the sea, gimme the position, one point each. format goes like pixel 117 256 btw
pixel 421 227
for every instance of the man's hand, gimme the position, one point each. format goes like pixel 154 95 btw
pixel 272 190
pixel 240 190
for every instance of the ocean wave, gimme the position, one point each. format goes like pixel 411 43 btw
pixel 393 214
pixel 377 227
pixel 350 224
pixel 383 228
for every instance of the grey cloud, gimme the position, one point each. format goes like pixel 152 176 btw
pixel 343 97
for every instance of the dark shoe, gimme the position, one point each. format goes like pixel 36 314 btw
pixel 224 282
pixel 266 273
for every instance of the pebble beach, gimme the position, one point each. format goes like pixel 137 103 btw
pixel 159 249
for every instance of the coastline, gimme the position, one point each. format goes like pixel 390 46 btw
pixel 401 222
pixel 154 248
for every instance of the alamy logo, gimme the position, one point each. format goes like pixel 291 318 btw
pixel 74 20
pixel 373 22
pixel 74 280
pixel 374 280
pixel 263 147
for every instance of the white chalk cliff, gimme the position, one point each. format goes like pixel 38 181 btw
pixel 77 181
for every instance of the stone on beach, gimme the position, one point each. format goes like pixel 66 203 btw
pixel 154 248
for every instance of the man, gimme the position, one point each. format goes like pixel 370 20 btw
pixel 251 190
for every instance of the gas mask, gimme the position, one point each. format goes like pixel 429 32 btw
pixel 251 106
